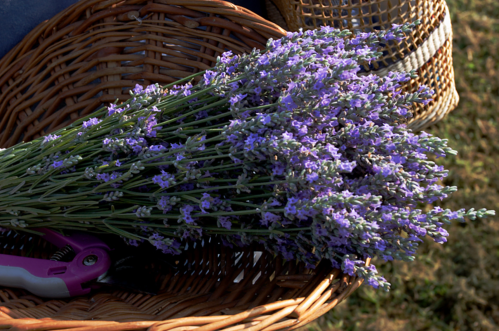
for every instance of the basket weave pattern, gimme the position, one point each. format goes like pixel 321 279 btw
pixel 214 288
pixel 93 52
pixel 427 49
pixel 367 16
pixel 438 73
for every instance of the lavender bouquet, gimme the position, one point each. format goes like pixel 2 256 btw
pixel 290 147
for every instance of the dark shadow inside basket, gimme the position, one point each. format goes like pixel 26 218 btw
pixel 209 279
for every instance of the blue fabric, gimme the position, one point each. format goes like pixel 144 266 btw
pixel 19 17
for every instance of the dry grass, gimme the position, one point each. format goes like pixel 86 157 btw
pixel 453 286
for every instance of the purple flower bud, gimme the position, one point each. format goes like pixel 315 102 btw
pixel 157 148
pixel 186 213
pixel 104 177
pixel 57 164
pixel 348 267
pixel 91 122
pixel 50 137
pixel 225 222
pixel 138 89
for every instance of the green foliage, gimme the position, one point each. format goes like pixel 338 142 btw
pixel 454 286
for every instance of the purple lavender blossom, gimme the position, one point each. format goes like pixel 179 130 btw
pixel 285 140
pixel 166 245
pixel 50 137
pixel 103 177
pixel 138 89
pixel 164 180
pixel 237 98
pixel 186 213
pixel 115 175
pixel 91 122
pixel 206 202
pixel 150 89
pixel 225 222
pixel 57 164
pixel 157 148
pixel 165 204
pixel 112 109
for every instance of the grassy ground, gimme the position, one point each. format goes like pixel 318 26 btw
pixel 453 286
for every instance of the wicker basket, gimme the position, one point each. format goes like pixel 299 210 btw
pixel 213 288
pixel 95 51
pixel 428 49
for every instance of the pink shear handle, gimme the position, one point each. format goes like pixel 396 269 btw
pixel 55 279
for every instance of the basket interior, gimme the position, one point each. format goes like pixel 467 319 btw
pixel 95 51
pixel 210 280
